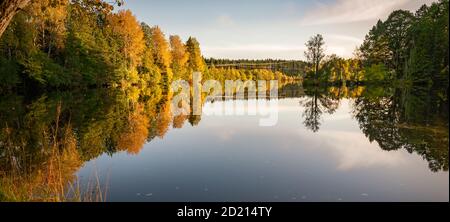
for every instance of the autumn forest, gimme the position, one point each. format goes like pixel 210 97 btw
pixel 86 79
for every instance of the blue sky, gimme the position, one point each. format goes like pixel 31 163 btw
pixel 258 29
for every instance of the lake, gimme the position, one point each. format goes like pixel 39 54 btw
pixel 354 143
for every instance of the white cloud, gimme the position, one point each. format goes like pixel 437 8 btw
pixel 346 11
pixel 360 153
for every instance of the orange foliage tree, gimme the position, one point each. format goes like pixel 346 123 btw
pixel 128 29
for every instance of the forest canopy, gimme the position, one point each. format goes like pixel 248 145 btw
pixel 410 46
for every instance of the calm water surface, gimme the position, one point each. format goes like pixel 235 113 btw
pixel 232 158
pixel 334 144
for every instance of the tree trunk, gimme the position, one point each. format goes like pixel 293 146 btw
pixel 316 74
pixel 9 8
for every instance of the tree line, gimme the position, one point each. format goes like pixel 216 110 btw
pixel 410 46
pixel 330 69
pixel 62 43
pixel 407 48
pixel 292 68
pixel 57 43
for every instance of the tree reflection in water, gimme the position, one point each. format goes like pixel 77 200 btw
pixel 316 103
pixel 415 119
pixel 44 141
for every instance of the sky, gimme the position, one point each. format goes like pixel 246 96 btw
pixel 260 29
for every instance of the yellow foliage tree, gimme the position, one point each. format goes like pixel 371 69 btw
pixel 135 135
pixel 128 29
pixel 161 53
pixel 179 55
pixel 49 18
pixel 195 62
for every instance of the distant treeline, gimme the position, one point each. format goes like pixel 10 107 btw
pixel 294 68
pixel 407 48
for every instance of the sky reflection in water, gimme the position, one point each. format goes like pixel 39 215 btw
pixel 231 158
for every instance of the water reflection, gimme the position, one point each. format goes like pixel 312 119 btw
pixel 316 102
pixel 415 119
pixel 44 141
